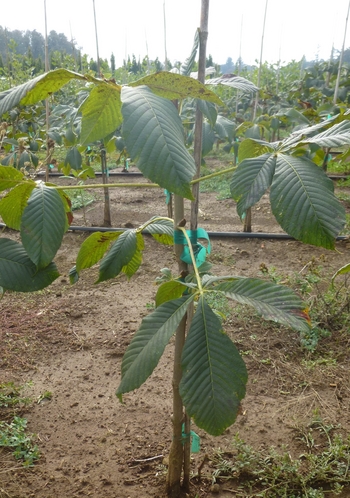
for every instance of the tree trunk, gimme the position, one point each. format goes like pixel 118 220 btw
pixel 176 455
pixel 107 221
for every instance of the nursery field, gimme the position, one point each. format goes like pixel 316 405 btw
pixel 65 345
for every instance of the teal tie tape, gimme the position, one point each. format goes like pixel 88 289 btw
pixel 200 251
pixel 195 440
pixel 167 196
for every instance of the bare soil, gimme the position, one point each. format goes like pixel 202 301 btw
pixel 69 340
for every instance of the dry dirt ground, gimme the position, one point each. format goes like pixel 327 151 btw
pixel 69 341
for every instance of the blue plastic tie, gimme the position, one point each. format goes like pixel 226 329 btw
pixel 200 251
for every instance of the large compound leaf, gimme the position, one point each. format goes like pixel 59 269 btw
pixel 10 177
pixel 235 82
pixel 14 203
pixel 43 225
pixel 101 112
pixel 148 344
pixel 120 255
pixel 176 86
pixel 93 249
pixel 37 89
pixel 214 374
pixel 303 202
pixel 273 302
pixel 18 272
pixel 251 180
pixel 154 138
pixel 336 136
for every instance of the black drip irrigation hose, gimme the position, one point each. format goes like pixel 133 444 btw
pixel 234 235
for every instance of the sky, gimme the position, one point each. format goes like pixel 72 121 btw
pixel 294 28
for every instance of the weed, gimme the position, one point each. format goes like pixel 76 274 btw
pixel 46 395
pixel 219 184
pixel 271 474
pixel 13 435
pixel 328 305
pixel 10 395
pixel 220 304
pixel 80 198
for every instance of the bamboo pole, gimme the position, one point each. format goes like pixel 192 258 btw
pixel 260 63
pixel 165 49
pixel 96 37
pixel 336 90
pixel 47 107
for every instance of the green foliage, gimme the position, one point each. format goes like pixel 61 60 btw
pixel 271 474
pixel 326 299
pixel 13 436
pixel 10 396
pixel 302 197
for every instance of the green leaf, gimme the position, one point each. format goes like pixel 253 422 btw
pixel 209 110
pixel 233 81
pixel 154 138
pixel 168 291
pixel 187 66
pixel 18 273
pixel 336 136
pixel 73 275
pixel 131 268
pixel 120 255
pixel 148 344
pixel 274 302
pixel 296 117
pixel 37 89
pixel 70 137
pixel 250 148
pixel 93 249
pixel 214 374
pixel 225 128
pixel 10 177
pixel 101 112
pixel 303 202
pixel 341 271
pixel 162 231
pixel 208 138
pixel 74 159
pixel 43 225
pixel 14 203
pixel 251 180
pixel 174 86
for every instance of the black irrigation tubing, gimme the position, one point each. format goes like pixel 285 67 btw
pixel 234 235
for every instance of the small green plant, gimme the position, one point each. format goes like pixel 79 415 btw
pixel 46 395
pixel 13 435
pixel 271 474
pixel 10 395
pixel 218 184
pixel 328 303
pixel 220 305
